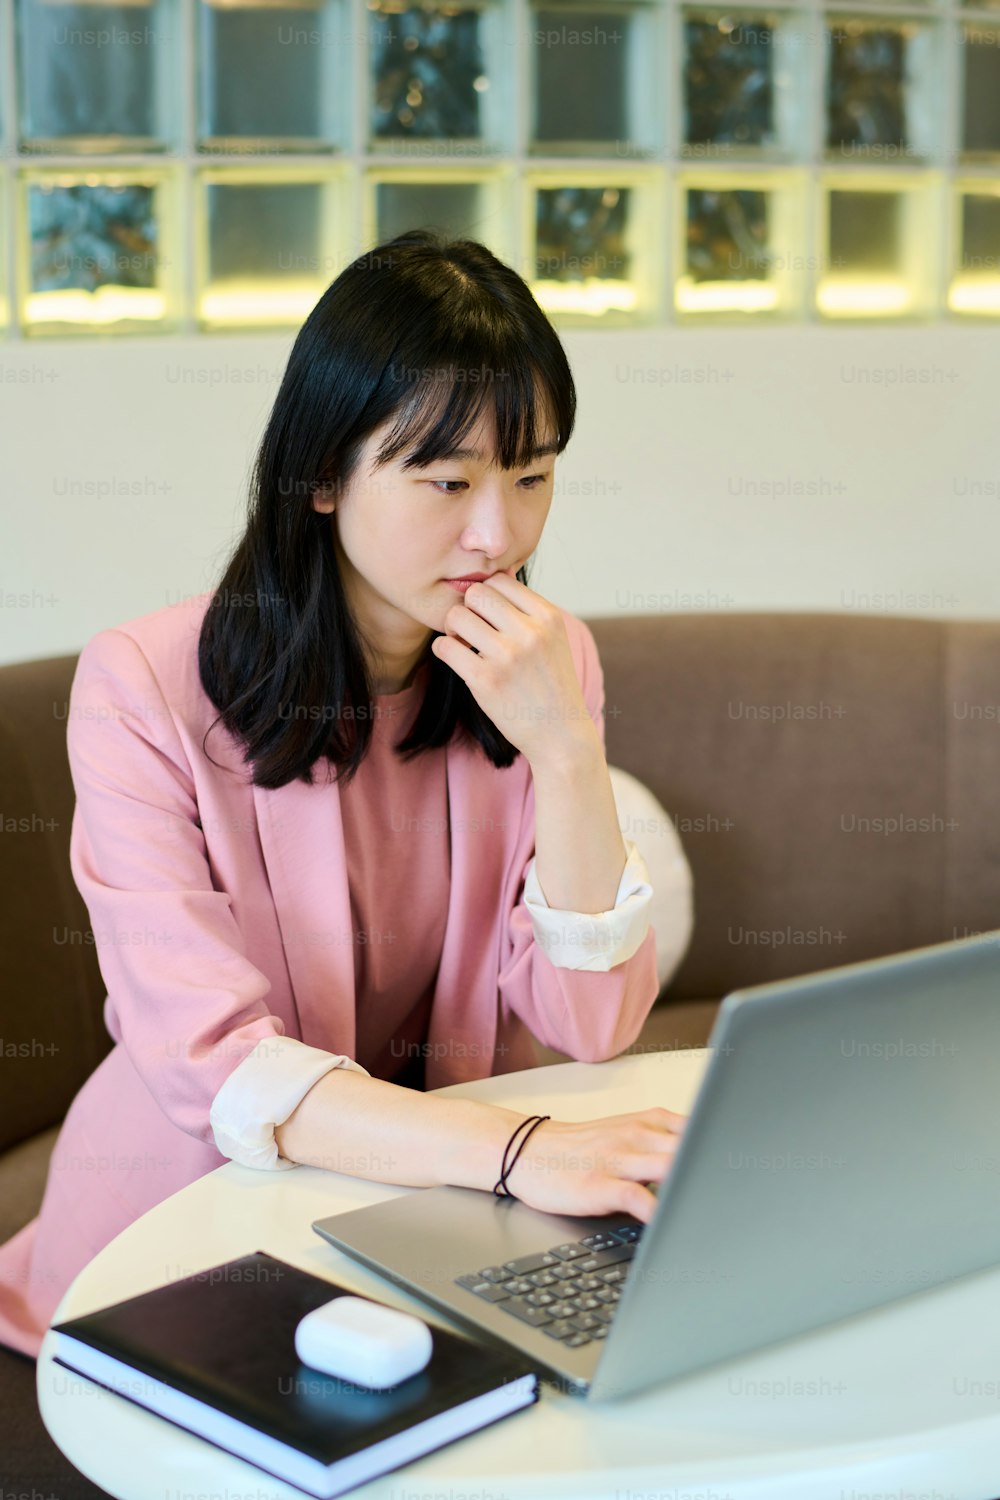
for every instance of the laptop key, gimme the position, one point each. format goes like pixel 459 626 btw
pixel 604 1314
pixel 565 1272
pixel 601 1258
pixel 601 1332
pixel 608 1294
pixel 494 1273
pixel 518 1286
pixel 601 1241
pixel 490 1292
pixel 577 1340
pixel 614 1275
pixel 584 1321
pixel 543 1278
pixel 528 1263
pixel 562 1328
pixel 562 1309
pixel 540 1299
pixel 569 1252
pixel 485 1289
pixel 535 1316
pixel 589 1283
pixel 629 1233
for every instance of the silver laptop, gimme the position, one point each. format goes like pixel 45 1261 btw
pixel 842 1152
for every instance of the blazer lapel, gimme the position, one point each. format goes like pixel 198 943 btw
pixel 463 1025
pixel 302 839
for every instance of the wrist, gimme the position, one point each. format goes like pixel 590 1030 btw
pixel 578 751
pixel 479 1133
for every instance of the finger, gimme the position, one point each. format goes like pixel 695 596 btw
pixel 645 1166
pixel 632 1198
pixel 670 1117
pixel 470 627
pixel 516 593
pixel 489 602
pixel 664 1119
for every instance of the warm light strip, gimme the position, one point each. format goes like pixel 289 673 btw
pixel 107 304
pixel 593 296
pixel 975 294
pixel 726 296
pixel 840 295
pixel 285 302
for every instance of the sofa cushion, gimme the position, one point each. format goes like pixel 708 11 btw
pixel 24 1169
pixel 643 819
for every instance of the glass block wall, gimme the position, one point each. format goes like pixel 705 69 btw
pixel 183 166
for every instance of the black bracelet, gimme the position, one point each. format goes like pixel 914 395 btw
pixel 500 1188
pixel 504 1168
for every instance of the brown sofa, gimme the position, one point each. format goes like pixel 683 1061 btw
pixel 830 776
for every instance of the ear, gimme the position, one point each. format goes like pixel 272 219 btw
pixel 322 498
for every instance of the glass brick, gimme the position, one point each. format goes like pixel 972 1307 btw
pixel 93 255
pixel 595 245
pixel 266 248
pixel 453 208
pixel 739 247
pixel 880 257
pixel 975 284
pixel 881 90
pixel 268 76
pixel 729 84
pixel 428 73
pixel 94 78
pixel 981 92
pixel 592 87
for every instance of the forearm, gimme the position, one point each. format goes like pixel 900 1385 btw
pixel 579 850
pixel 367 1127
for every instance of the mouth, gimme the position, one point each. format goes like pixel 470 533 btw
pixel 461 584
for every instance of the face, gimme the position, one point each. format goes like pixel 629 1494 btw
pixel 399 534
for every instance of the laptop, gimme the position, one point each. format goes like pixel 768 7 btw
pixel 841 1152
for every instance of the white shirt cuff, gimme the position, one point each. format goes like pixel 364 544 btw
pixel 262 1092
pixel 593 940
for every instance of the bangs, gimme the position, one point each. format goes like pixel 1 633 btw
pixel 446 402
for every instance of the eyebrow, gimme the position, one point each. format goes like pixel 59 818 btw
pixel 475 453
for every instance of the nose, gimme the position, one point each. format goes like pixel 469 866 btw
pixel 488 529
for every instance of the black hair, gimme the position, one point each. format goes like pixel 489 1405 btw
pixel 399 333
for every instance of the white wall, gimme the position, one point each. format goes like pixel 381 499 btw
pixel 786 468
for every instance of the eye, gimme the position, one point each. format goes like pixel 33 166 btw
pixel 531 481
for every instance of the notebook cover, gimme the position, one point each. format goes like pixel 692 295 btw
pixel 226 1337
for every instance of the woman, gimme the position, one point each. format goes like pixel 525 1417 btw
pixel 344 827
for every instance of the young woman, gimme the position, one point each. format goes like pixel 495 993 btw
pixel 344 825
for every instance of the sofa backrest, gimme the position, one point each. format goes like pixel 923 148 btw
pixel 51 990
pixel 833 779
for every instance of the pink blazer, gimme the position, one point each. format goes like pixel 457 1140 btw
pixel 221 916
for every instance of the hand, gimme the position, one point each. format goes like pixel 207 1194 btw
pixel 598 1166
pixel 523 678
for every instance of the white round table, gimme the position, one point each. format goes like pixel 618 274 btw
pixel 902 1402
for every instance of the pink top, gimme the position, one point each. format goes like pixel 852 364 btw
pixel 395 814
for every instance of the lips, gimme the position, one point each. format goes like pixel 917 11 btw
pixel 479 577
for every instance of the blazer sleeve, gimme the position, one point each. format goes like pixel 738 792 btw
pixel 564 973
pixel 183 998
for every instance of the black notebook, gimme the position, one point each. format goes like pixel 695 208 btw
pixel 215 1353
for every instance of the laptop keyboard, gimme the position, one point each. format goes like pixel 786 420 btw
pixel 570 1292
